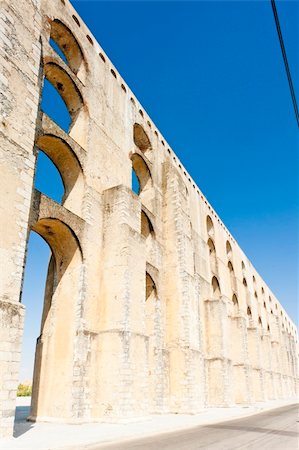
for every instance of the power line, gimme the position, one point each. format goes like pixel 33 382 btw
pixel 284 55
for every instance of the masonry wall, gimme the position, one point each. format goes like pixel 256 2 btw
pixel 150 305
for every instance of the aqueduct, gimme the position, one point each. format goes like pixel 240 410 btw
pixel 150 305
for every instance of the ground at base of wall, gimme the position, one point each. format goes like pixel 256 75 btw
pixel 50 436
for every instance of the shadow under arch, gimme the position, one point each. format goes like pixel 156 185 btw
pixel 68 44
pixel 69 167
pixel 151 297
pixel 215 288
pixel 61 239
pixel 210 226
pixel 147 228
pixel 151 290
pixel 141 139
pixel 235 304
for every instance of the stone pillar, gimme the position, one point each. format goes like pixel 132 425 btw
pixel 11 330
pixel 254 353
pixel 239 356
pixel 19 86
pixel 267 366
pixel 219 365
pixel 181 294
pixel 121 349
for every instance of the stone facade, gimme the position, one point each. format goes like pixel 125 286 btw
pixel 150 305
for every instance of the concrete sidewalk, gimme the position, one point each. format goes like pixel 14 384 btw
pixel 50 436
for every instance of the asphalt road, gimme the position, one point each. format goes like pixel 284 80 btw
pixel 276 430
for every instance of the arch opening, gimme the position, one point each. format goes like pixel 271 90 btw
pixel 211 245
pixel 146 226
pixel 228 249
pixel 212 255
pixel 66 88
pixel 69 168
pixel 235 304
pixel 47 171
pixel 135 183
pixel 54 106
pixel 150 290
pixel 150 304
pixel 210 226
pixel 232 276
pixel 54 257
pixel 216 288
pixel 142 173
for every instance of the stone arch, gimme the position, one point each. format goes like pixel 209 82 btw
pixel 147 228
pixel 232 275
pixel 150 287
pixel 215 288
pixel 143 175
pixel 211 245
pixel 69 167
pixel 66 88
pixel 235 304
pixel 140 138
pixel 151 297
pixel 212 255
pixel 61 239
pixel 69 46
pixel 62 291
pixel 229 250
pixel 210 226
pixel 47 178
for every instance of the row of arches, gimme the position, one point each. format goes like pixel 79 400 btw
pixel 59 173
pixel 233 282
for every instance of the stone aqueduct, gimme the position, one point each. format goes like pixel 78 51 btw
pixel 150 305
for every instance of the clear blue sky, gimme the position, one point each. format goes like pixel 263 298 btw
pixel 211 76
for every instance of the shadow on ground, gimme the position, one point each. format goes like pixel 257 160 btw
pixel 21 425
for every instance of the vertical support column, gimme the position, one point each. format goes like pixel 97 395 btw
pixel 294 367
pixel 19 85
pixel 275 352
pixel 219 365
pixel 254 352
pixel 267 366
pixel 122 343
pixel 239 355
pixel 283 362
pixel 186 375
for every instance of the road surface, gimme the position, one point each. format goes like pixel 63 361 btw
pixel 271 430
